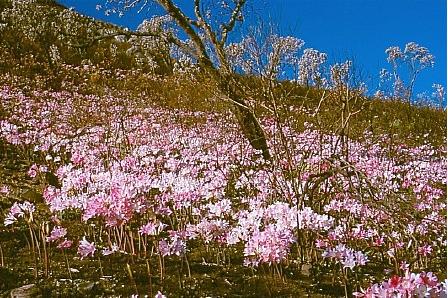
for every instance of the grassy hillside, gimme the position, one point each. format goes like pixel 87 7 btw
pixel 44 45
pixel 125 171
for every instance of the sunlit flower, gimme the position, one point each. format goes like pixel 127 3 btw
pixel 65 244
pixel 86 248
pixel 56 234
pixel 160 295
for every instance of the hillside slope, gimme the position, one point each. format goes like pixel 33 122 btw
pixel 123 171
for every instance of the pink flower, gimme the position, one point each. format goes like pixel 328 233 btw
pixel 57 233
pixel 16 210
pixel 361 259
pixel 321 243
pixel 164 248
pixel 33 171
pixel 86 248
pixel 394 281
pixel 65 244
pixel 425 250
pixel 178 247
pixel 160 295
pixel 5 190
pixel 114 248
pixel 19 210
pixel 411 285
pixel 378 241
pixel 28 207
pixel 349 262
pixel 151 229
pixel 9 220
pixel 428 279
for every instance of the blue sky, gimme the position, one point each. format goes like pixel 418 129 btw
pixel 345 29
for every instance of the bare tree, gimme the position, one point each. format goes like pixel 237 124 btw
pixel 415 58
pixel 207 44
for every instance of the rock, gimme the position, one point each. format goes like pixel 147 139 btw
pixel 26 291
pixel 86 287
pixel 89 287
pixel 306 268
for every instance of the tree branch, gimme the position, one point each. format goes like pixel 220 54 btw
pixel 232 21
pixel 219 50
pixel 167 38
pixel 184 22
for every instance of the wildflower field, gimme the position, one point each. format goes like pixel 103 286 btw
pixel 119 183
pixel 171 198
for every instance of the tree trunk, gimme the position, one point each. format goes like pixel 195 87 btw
pixel 247 120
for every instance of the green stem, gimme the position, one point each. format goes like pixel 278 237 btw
pixel 68 266
pixel 33 250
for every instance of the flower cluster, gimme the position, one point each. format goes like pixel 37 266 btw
pixel 132 168
pixel 58 235
pixel 25 209
pixel 345 256
pixel 424 284
pixel 86 248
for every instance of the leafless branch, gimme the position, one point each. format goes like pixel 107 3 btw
pixel 228 27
